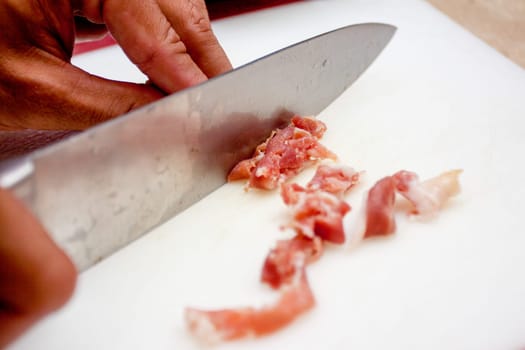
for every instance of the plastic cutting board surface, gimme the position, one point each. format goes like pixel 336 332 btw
pixel 437 98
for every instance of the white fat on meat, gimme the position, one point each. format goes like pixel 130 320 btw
pixel 428 196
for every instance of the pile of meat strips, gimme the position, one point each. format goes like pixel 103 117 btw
pixel 317 211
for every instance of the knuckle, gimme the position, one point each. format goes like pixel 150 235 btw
pixel 91 9
pixel 202 25
pixel 199 19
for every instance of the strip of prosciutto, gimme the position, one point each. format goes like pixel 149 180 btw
pixel 213 327
pixel 281 263
pixel 318 211
pixel 428 196
pixel 318 208
pixel 379 210
pixel 284 154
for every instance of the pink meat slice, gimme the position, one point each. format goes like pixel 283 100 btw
pixel 318 208
pixel 285 153
pixel 379 210
pixel 429 196
pixel 281 263
pixel 295 299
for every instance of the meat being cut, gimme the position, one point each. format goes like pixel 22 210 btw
pixel 286 152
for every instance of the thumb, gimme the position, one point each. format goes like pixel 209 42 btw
pixel 50 94
pixel 36 277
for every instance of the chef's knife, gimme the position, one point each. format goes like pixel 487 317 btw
pixel 105 187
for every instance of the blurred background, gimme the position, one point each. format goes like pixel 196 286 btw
pixel 500 23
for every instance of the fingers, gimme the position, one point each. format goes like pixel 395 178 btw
pixel 169 40
pixel 36 277
pixel 190 19
pixel 152 44
pixel 87 30
pixel 46 93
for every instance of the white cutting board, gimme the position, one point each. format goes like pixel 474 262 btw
pixel 437 98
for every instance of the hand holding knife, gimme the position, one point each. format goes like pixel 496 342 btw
pixel 170 41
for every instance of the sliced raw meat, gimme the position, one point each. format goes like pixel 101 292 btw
pixel 286 152
pixel 318 208
pixel 380 208
pixel 334 179
pixel 429 196
pixel 229 324
pixel 281 263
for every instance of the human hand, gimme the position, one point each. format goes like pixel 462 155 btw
pixel 169 40
pixel 36 277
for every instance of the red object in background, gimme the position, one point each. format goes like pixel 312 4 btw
pixel 93 45
pixel 216 8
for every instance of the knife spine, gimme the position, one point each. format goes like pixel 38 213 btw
pixel 16 176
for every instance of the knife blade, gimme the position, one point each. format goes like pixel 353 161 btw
pixel 101 189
